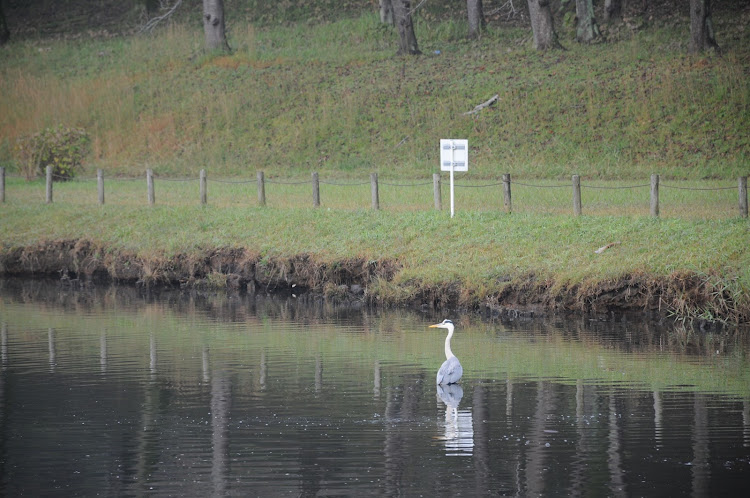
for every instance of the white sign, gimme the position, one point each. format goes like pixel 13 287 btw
pixel 454 155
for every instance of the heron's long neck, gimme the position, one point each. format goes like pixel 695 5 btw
pixel 448 352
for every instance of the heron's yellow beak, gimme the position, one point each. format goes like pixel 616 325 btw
pixel 433 326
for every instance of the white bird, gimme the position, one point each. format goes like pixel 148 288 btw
pixel 451 370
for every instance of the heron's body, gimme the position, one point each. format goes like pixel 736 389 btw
pixel 451 370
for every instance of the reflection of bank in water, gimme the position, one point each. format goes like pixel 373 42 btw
pixel 459 432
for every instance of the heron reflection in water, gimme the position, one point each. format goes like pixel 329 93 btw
pixel 451 370
pixel 458 435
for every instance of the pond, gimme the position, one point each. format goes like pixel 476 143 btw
pixel 116 391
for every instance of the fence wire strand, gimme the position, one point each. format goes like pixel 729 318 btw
pixel 175 180
pixel 615 188
pixel 343 184
pixel 281 182
pixel 405 184
pixel 697 188
pixel 232 182
pixel 478 186
pixel 539 186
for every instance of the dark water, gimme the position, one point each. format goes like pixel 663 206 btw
pixel 107 391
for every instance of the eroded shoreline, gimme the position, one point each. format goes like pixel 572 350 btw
pixel 682 294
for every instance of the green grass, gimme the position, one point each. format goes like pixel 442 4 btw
pixel 481 250
pixel 332 97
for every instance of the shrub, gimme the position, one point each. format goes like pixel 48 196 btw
pixel 61 147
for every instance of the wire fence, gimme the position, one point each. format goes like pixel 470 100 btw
pixel 685 199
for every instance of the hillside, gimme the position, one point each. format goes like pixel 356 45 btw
pixel 328 93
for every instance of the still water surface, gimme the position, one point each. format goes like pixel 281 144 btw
pixel 108 391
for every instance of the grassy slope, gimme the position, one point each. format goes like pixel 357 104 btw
pixel 331 96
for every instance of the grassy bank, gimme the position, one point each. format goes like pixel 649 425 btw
pixel 690 268
pixel 332 97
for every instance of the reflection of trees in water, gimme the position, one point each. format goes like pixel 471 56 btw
pixel 627 333
pixel 4 345
pixel 700 467
pixel 481 436
pixel 634 334
pixel 3 410
pixel 52 349
pixel 535 466
pixel 401 409
pixel 614 452
pixel 221 400
pixel 658 417
pixel 559 438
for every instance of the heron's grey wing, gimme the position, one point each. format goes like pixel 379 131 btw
pixel 450 372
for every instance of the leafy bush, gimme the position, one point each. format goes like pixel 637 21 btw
pixel 61 147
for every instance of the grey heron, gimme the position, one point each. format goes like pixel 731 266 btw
pixel 451 370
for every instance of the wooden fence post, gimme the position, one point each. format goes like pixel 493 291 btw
pixel 150 186
pixel 742 187
pixel 49 184
pixel 2 184
pixel 437 191
pixel 261 189
pixel 316 189
pixel 374 191
pixel 203 188
pixel 655 196
pixel 100 185
pixel 577 207
pixel 506 194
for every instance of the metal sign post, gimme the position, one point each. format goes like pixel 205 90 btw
pixel 454 156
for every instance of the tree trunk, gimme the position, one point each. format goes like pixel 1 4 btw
pixel 701 26
pixel 541 25
pixel 405 26
pixel 386 12
pixel 612 10
pixel 587 29
pixel 475 12
pixel 4 32
pixel 213 25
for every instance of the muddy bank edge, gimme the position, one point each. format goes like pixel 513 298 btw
pixel 683 295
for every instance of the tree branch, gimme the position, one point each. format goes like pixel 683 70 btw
pixel 483 105
pixel 151 23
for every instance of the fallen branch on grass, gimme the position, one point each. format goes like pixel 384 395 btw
pixel 604 248
pixel 483 105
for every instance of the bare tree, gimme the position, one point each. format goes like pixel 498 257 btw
pixel 213 25
pixel 587 29
pixel 613 10
pixel 545 36
pixel 4 32
pixel 402 12
pixel 386 12
pixel 702 35
pixel 475 12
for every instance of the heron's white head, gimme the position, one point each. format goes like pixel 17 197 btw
pixel 445 324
